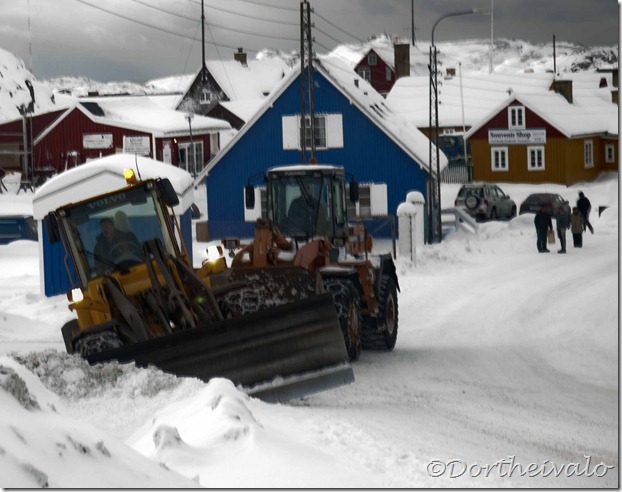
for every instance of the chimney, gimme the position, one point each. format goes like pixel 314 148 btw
pixel 402 60
pixel 564 88
pixel 240 56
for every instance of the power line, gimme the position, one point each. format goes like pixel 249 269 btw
pixel 239 31
pixel 270 6
pixel 336 27
pixel 254 17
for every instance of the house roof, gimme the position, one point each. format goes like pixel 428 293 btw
pixel 139 113
pixel 482 95
pixel 251 82
pixel 106 174
pixel 358 92
pixel 590 112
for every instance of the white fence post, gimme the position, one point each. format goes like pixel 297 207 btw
pixel 411 224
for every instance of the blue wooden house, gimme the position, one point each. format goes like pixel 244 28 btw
pixel 355 129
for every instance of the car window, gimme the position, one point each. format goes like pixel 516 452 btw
pixel 499 192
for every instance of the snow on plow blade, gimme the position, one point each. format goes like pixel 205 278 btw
pixel 275 354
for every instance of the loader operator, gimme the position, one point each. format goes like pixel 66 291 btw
pixel 114 247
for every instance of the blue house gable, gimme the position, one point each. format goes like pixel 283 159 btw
pixel 355 138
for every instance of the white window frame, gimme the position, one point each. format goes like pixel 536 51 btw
pixel 501 151
pixel 532 164
pixel 365 73
pixel 205 97
pixel 516 117
pixel 372 59
pixel 333 132
pixel 186 165
pixel 610 153
pixel 588 153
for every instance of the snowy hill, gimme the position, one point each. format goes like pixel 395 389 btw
pixel 510 56
pixel 15 94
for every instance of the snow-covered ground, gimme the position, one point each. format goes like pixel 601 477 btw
pixel 505 374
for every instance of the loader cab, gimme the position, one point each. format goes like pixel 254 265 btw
pixel 105 234
pixel 308 201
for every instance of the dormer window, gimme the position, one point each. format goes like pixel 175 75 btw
pixel 205 97
pixel 516 117
pixel 365 73
pixel 372 59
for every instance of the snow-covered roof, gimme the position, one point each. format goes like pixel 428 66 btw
pixel 591 110
pixel 106 174
pixel 243 109
pixel 252 81
pixel 481 95
pixel 141 113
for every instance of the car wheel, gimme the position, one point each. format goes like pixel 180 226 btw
pixel 471 202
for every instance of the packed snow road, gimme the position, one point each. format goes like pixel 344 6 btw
pixel 504 356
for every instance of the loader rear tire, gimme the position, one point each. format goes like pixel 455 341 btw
pixel 348 306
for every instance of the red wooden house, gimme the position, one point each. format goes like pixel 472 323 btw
pixel 98 127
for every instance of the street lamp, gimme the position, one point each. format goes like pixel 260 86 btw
pixel 433 114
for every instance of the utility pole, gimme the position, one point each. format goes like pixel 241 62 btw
pixel 203 67
pixel 412 22
pixel 306 81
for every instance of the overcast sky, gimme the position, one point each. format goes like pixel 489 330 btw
pixel 143 39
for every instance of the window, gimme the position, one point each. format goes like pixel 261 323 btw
pixel 205 97
pixel 535 158
pixel 388 74
pixel 499 158
pixel 610 153
pixel 364 73
pixel 191 157
pixel 516 117
pixel 320 132
pixel 372 59
pixel 328 132
pixel 588 153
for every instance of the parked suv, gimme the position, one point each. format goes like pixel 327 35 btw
pixel 16 227
pixel 485 201
pixel 550 201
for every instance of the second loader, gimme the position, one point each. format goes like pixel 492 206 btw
pixel 139 299
pixel 306 233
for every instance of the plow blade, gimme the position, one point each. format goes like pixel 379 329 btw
pixel 275 354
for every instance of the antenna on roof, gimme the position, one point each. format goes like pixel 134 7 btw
pixel 137 170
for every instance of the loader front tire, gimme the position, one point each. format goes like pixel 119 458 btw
pixel 94 343
pixel 348 306
pixel 381 333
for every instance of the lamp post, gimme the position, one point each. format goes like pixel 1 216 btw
pixel 194 159
pixel 434 151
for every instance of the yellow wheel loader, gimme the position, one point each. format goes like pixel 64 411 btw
pixel 139 299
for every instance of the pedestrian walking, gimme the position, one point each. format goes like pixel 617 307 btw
pixel 585 207
pixel 576 227
pixel 563 224
pixel 543 224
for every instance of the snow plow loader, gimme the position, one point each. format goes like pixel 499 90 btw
pixel 305 231
pixel 139 299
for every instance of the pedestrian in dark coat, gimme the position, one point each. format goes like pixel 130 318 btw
pixel 543 224
pixel 584 206
pixel 576 227
pixel 563 224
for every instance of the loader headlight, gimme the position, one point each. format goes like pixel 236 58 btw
pixel 76 295
pixel 214 253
